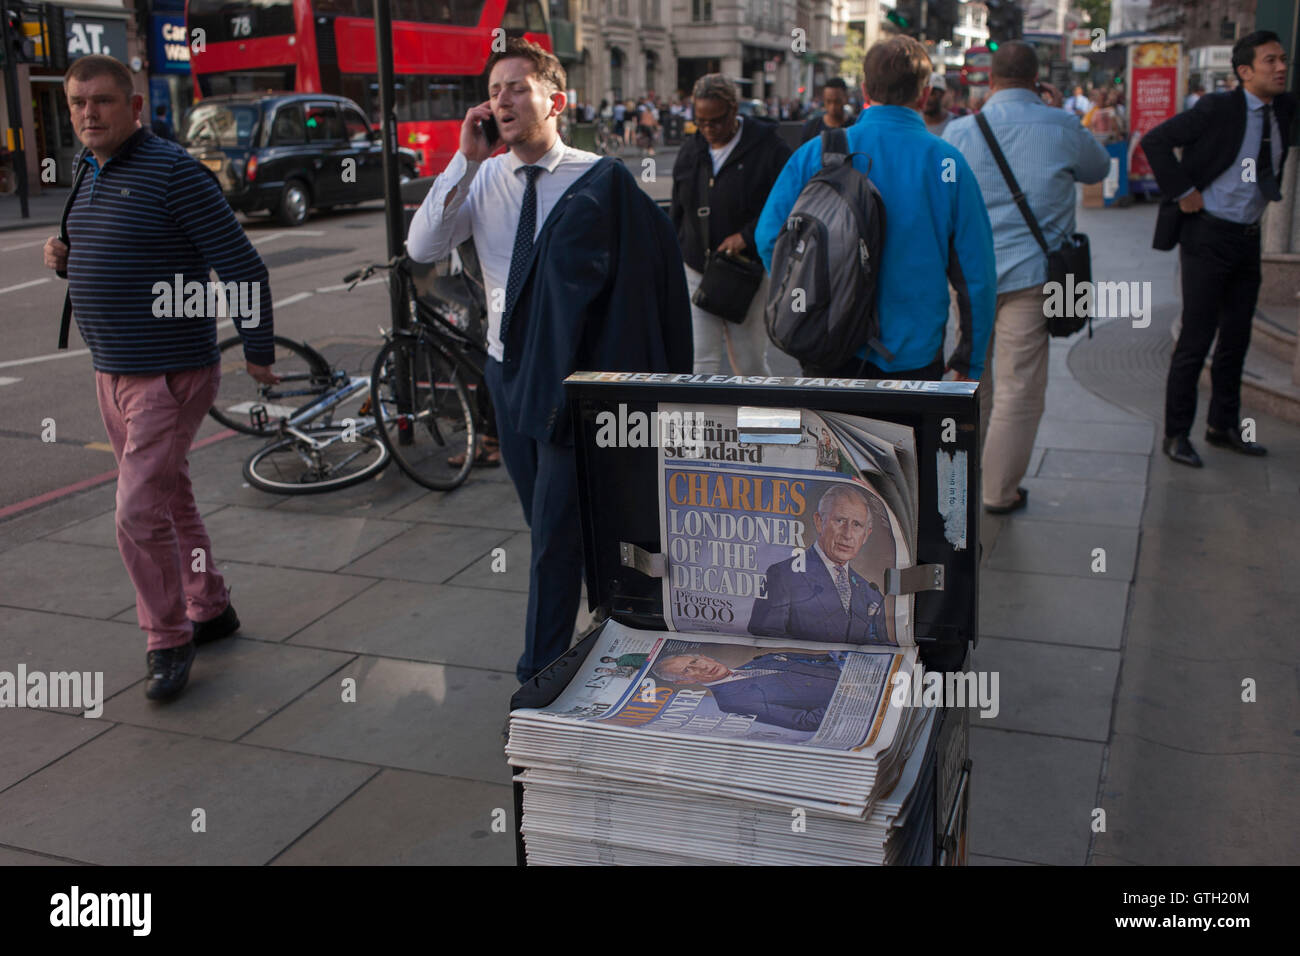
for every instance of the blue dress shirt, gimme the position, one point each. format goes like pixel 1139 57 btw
pixel 1049 151
pixel 1231 196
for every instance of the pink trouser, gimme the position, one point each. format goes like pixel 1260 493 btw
pixel 151 421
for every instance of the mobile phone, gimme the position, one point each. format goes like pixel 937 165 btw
pixel 490 131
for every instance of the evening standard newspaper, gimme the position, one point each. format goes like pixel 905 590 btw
pixel 788 541
pixel 729 715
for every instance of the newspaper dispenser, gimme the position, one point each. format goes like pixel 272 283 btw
pixel 621 532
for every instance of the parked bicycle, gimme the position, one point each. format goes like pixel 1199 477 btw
pixel 309 452
pixel 427 392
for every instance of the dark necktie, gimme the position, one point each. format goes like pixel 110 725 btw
pixel 842 586
pixel 1266 178
pixel 523 239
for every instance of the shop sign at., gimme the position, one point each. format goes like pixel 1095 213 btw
pixel 87 35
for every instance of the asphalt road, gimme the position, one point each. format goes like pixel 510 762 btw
pixel 307 265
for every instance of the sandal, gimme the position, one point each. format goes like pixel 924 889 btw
pixel 489 455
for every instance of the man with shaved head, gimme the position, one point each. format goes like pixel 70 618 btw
pixel 1048 152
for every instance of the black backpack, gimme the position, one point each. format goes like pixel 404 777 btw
pixel 821 304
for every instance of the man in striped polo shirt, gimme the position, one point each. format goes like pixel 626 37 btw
pixel 145 227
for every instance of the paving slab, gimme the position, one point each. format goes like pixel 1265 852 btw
pixel 1229 512
pixel 31 739
pixel 128 798
pixel 1198 705
pixel 1168 807
pixel 234 685
pixel 1228 562
pixel 1183 620
pixel 273 603
pixel 428 552
pixel 428 717
pixel 65 578
pixel 1046 689
pixel 309 542
pixel 379 497
pixel 1134 437
pixel 57 642
pixel 483 504
pixel 975 859
pixel 518 557
pixel 101 530
pixel 1068 401
pixel 1032 796
pixel 11 857
pixel 1226 473
pixel 474 627
pixel 1093 465
pixel 40 521
pixel 412 819
pixel 1059 547
pixel 1053 609
pixel 1084 502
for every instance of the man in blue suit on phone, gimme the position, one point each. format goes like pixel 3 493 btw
pixel 827 600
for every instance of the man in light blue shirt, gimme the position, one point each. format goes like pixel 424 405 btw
pixel 935 224
pixel 1048 152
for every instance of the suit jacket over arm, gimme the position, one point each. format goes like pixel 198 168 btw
pixel 605 291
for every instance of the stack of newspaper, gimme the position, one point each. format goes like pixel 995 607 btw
pixel 762 726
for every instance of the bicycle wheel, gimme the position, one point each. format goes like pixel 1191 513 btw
pixel 331 460
pixel 440 424
pixel 305 375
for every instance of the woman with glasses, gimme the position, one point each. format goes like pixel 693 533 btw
pixel 721 179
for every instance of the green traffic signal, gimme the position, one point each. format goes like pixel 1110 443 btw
pixel 993 45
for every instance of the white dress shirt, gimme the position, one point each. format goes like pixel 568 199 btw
pixel 486 205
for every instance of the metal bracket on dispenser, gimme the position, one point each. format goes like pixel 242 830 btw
pixel 920 577
pixel 639 559
pixel 769 426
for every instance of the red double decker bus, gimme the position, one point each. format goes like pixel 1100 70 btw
pixel 440 52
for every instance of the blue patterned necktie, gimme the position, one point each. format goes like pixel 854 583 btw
pixel 523 239
pixel 842 585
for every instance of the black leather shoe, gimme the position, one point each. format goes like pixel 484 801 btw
pixel 169 671
pixel 1179 448
pixel 223 625
pixel 1231 438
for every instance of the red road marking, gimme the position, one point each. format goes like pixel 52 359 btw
pixel 85 483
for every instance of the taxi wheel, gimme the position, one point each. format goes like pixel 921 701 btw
pixel 295 204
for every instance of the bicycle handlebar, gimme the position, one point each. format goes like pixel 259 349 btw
pixel 360 275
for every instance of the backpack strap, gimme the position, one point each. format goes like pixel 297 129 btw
pixel 65 324
pixel 835 147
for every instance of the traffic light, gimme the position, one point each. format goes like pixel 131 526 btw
pixel 1005 21
pixel 21 47
pixel 940 19
pixel 906 15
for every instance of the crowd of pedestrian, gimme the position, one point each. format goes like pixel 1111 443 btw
pixel 593 276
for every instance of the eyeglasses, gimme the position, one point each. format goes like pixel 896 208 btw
pixel 718 123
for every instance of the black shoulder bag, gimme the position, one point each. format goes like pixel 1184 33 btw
pixel 1073 258
pixel 65 323
pixel 729 283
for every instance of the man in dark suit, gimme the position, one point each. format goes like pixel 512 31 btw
pixel 827 600
pixel 786 690
pixel 582 272
pixel 1234 146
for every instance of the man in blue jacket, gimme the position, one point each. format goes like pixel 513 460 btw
pixel 935 224
pixel 582 272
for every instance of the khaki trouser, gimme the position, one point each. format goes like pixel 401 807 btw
pixel 1020 350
